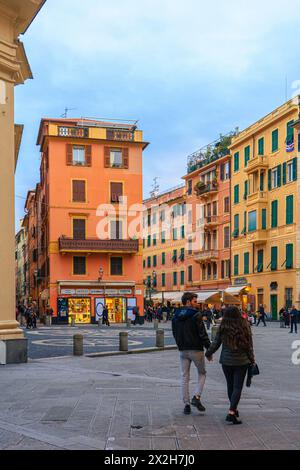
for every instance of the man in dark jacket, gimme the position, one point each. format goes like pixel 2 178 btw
pixel 191 338
pixel 262 315
pixel 293 317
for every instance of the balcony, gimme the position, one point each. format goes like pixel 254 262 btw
pixel 94 245
pixel 211 221
pixel 259 197
pixel 206 190
pixel 257 237
pixel 206 255
pixel 257 163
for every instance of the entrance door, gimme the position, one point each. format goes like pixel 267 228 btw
pixel 274 310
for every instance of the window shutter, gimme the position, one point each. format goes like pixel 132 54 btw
pixel 106 157
pixel 274 214
pixel 261 181
pixel 294 169
pixel 79 229
pixel 69 154
pixel 125 158
pixel 247 155
pixel 289 209
pixel 222 172
pixel 116 191
pixel 284 173
pixel 269 179
pixel 222 270
pixel 78 191
pixel 261 146
pixel 245 189
pixel 246 263
pixel 275 140
pixel 260 261
pixel 279 176
pixel 236 265
pixel 273 258
pixel 88 155
pixel 289 256
pixel 264 219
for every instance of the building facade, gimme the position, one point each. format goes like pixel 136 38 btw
pixel 21 266
pixel 164 243
pixel 264 216
pixel 88 205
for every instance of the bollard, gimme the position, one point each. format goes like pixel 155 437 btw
pixel 72 321
pixel 155 324
pixel 123 341
pixel 214 330
pixel 78 345
pixel 48 320
pixel 160 339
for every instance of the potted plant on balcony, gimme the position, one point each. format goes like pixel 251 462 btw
pixel 214 182
pixel 199 187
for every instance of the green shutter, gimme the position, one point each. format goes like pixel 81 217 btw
pixel 274 215
pixel 264 219
pixel 163 279
pixel 279 176
pixel 269 179
pixel 175 278
pixel 289 256
pixel 260 261
pixel 289 209
pixel 236 194
pixel 236 226
pixel 261 146
pixel 274 254
pixel 295 168
pixel 261 181
pixel 182 231
pixel 154 261
pixel 245 189
pixel 246 263
pixel 236 161
pixel 275 140
pixel 163 258
pixel 182 278
pixel 247 154
pixel 236 265
pixel 289 132
pixel 284 173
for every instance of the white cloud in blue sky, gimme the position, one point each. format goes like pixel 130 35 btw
pixel 187 70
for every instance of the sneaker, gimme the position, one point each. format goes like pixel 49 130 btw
pixel 197 403
pixel 233 419
pixel 187 409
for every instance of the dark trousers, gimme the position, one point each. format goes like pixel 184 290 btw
pixel 263 320
pixel 293 323
pixel 235 376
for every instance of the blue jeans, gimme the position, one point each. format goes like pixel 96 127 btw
pixel 186 358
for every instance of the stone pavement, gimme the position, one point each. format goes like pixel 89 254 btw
pixel 133 402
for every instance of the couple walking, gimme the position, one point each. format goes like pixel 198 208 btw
pixel 237 354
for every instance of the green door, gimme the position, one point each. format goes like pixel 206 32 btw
pixel 274 307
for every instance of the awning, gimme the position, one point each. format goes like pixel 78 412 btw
pixel 171 296
pixel 203 296
pixel 217 297
pixel 235 290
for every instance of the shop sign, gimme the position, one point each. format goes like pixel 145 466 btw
pixel 96 291
pixel 68 291
pixel 82 291
pixel 125 291
pixel 240 281
pixel 111 291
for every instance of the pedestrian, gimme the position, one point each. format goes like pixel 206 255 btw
pixel 262 315
pixel 105 320
pixel 137 315
pixel 234 334
pixel 29 317
pixel 191 337
pixel 294 317
pixel 286 317
pixel 282 317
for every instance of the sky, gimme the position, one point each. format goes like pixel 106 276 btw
pixel 187 71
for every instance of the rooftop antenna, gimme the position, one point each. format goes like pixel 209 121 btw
pixel 155 186
pixel 65 114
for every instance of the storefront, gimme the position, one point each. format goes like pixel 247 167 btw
pixel 243 293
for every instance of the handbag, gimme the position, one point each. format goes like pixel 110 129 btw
pixel 254 370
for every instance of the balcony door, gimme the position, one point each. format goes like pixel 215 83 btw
pixel 79 232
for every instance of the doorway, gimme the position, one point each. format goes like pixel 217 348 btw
pixel 274 307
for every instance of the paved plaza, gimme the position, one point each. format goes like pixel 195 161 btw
pixel 133 402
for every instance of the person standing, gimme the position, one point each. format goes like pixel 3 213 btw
pixel 105 320
pixel 294 317
pixel 191 337
pixel 262 315
pixel 234 334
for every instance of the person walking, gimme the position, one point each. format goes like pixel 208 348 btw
pixel 105 320
pixel 262 315
pixel 234 334
pixel 293 317
pixel 191 337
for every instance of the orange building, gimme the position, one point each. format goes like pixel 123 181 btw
pixel 91 171
pixel 208 213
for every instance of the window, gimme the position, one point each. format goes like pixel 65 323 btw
pixel 174 233
pixel 149 240
pixel 163 280
pixel 190 274
pixel 149 261
pixel 78 154
pixel 236 265
pixel 289 256
pixel 264 219
pixel 236 194
pixel 236 226
pixel 163 237
pixel 274 255
pixel 163 216
pixel 227 170
pixel 181 257
pixel 116 230
pixel 260 261
pixel 274 215
pixel 261 146
pixel 163 258
pixel 274 178
pixel 290 171
pixel 154 239
pixel 116 191
pixel 246 263
pixel 144 263
pixel 190 251
pixel 289 209
pixel 247 155
pixel 252 221
pixel 79 265
pixel 79 229
pixel 289 132
pixel 236 161
pixel 175 279
pixel 154 218
pixel 149 220
pixel 190 217
pixel 245 189
pixel 182 232
pixel 116 266
pixel 78 191
pixel 261 181
pixel 144 243
pixel 174 257
pixel 226 204
pixel 204 273
pixel 181 278
pixel 190 187
pixel 154 261
pixel 215 207
pixel 275 140
pixel 226 237
pixel 116 158
pixel 227 268
pixel 288 297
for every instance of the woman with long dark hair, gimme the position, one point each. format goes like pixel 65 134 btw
pixel 237 355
